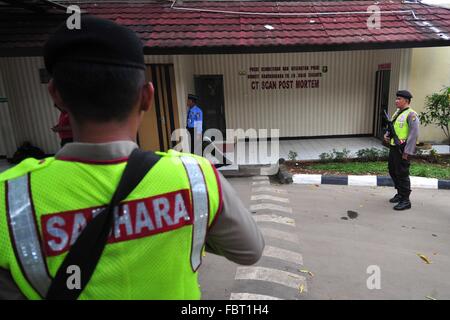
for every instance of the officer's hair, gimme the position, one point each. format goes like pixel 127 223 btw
pixel 98 92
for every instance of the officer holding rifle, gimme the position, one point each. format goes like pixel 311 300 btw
pixel 402 134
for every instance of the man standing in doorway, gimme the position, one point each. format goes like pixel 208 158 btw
pixel 406 127
pixel 194 124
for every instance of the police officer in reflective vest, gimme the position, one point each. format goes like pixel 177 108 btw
pixel 406 126
pixel 194 124
pixel 98 77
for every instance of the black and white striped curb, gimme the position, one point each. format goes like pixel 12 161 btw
pixel 276 276
pixel 369 181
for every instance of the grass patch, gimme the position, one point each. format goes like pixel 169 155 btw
pixel 428 170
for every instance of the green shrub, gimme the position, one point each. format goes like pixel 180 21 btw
pixel 367 154
pixel 384 153
pixel 435 157
pixel 372 154
pixel 341 155
pixel 326 157
pixel 420 152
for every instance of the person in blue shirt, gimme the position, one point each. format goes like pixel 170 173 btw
pixel 194 124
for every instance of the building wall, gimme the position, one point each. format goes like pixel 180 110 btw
pixel 184 75
pixel 155 59
pixel 400 70
pixel 430 71
pixel 31 108
pixel 342 105
pixel 29 113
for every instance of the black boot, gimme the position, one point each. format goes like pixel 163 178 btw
pixel 397 198
pixel 403 205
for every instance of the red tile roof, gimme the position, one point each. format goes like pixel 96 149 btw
pixel 201 27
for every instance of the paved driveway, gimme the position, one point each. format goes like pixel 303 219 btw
pixel 339 233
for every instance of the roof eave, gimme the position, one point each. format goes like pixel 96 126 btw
pixel 294 48
pixel 38 51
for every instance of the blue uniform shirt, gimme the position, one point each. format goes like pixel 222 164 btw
pixel 195 118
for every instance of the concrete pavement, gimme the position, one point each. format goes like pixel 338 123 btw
pixel 342 231
pixel 277 275
pixel 339 251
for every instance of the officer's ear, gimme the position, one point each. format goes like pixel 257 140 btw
pixel 147 96
pixel 56 97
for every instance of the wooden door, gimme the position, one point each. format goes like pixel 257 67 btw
pixel 162 119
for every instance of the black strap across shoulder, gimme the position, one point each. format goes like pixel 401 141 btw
pixel 398 114
pixel 87 249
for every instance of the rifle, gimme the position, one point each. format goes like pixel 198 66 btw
pixel 392 133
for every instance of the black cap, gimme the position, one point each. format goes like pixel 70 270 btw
pixel 97 41
pixel 192 97
pixel 404 94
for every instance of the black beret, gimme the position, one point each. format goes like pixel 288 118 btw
pixel 97 41
pixel 404 94
pixel 192 97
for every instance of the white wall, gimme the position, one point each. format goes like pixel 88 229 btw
pixel 342 105
pixel 430 72
pixel 400 69
pixel 31 108
pixel 184 75
pixel 155 59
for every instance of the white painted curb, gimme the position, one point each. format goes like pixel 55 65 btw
pixel 366 181
pixel 362 181
pixel 307 178
pixel 425 183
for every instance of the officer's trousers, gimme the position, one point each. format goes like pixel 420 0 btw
pixel 195 142
pixel 399 172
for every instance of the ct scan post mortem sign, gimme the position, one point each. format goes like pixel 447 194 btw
pixel 286 77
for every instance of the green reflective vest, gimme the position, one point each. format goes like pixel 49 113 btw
pixel 157 241
pixel 401 125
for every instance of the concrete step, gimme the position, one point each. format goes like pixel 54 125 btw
pixel 245 170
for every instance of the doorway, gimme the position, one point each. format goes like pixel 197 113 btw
pixel 162 119
pixel 381 101
pixel 8 143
